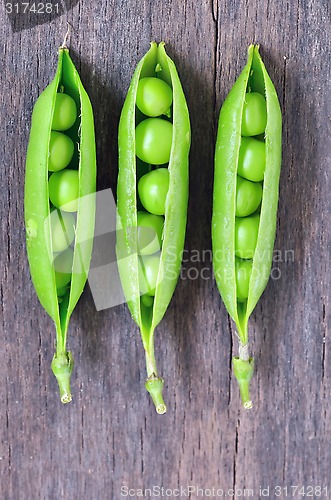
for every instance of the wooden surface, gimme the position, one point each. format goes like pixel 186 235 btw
pixel 110 435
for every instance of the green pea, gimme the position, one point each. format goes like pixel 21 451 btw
pixel 65 112
pixel 64 190
pixel 153 189
pixel 61 150
pixel 243 275
pixel 62 230
pixel 252 157
pixel 48 229
pixel 63 268
pixel 246 232
pixel 62 291
pixel 148 273
pixel 246 112
pixel 149 233
pixel 248 197
pixel 254 118
pixel 154 96
pixel 153 141
pixel 147 300
pixel 162 192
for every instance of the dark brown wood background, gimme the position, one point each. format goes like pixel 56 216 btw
pixel 110 435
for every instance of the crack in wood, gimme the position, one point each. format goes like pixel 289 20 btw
pixel 230 356
pixel 214 10
pixel 142 450
pixel 236 445
pixel 216 63
pixel 284 84
pixel 323 343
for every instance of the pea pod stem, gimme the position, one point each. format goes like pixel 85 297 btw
pixel 62 366
pixel 150 358
pixel 243 369
pixel 66 36
pixel 243 351
pixel 154 385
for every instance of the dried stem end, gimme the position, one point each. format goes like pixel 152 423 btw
pixel 62 366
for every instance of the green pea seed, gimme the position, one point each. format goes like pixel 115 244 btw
pixel 248 197
pixel 254 117
pixel 153 189
pixel 149 233
pixel 64 190
pixel 153 141
pixel 61 150
pixel 147 300
pixel 62 291
pixel 154 96
pixel 252 158
pixel 243 276
pixel 63 230
pixel 246 232
pixel 62 279
pixel 148 272
pixel 65 112
pixel 63 268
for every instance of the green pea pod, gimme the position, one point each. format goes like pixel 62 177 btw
pixel 37 208
pixel 254 78
pixel 155 63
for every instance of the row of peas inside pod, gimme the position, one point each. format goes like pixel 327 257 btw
pixel 63 187
pixel 153 138
pixel 249 188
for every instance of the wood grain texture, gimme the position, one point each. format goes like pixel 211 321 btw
pixel 110 435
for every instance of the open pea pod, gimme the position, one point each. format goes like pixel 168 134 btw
pixel 156 63
pixel 254 78
pixel 37 208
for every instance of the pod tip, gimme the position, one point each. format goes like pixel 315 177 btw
pixel 66 36
pixel 66 398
